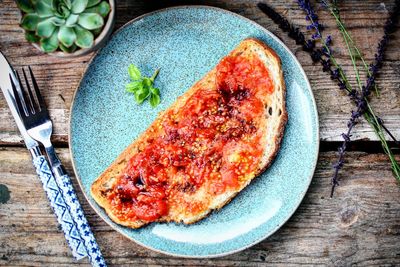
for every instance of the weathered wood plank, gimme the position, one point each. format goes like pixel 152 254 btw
pixel 365 19
pixel 360 225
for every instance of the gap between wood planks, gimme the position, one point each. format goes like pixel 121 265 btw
pixel 372 147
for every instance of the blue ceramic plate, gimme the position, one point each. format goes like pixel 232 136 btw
pixel 187 42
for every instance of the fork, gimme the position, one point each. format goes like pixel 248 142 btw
pixel 39 126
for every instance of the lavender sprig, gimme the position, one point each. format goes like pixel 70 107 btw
pixel 339 75
pixel 312 17
pixel 361 98
pixel 329 64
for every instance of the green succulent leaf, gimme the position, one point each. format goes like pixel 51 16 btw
pixel 78 6
pixel 134 72
pixel 154 100
pixel 97 31
pixel 66 36
pixel 45 28
pixel 90 21
pixel 30 21
pixel 84 38
pixel 26 6
pixel 58 21
pixel 68 4
pixel 47 2
pixel 70 49
pixel 93 3
pixel 31 37
pixel 71 20
pixel 103 9
pixel 61 8
pixel 50 44
pixel 43 9
pixel 65 12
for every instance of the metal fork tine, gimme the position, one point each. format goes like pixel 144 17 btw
pixel 30 95
pixel 17 98
pixel 37 91
pixel 20 90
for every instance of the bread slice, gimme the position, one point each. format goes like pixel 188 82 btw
pixel 270 128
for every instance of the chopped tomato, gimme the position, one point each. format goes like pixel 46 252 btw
pixel 236 72
pixel 211 139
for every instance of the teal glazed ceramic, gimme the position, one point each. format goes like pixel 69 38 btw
pixel 186 42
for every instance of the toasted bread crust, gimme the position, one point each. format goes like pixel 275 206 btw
pixel 272 143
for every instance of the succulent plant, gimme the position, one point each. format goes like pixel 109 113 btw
pixel 63 24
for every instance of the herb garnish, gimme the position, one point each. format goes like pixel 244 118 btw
pixel 142 87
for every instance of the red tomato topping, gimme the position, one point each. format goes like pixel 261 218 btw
pixel 213 139
pixel 237 72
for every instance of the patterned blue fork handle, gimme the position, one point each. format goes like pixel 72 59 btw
pixel 66 188
pixel 59 207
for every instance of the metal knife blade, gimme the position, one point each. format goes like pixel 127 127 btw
pixel 6 71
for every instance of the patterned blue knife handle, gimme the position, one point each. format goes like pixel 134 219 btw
pixel 68 192
pixel 59 207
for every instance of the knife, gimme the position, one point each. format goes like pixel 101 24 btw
pixel 42 167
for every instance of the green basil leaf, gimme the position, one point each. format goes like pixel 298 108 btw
pixel 31 37
pixel 78 6
pixel 133 87
pixel 92 3
pixel 142 87
pixel 141 94
pixel 43 9
pixel 84 38
pixel 154 100
pixel 45 28
pixel 26 6
pixel 29 22
pixel 134 72
pixel 50 44
pixel 67 36
pixel 90 21
pixel 147 82
pixel 154 91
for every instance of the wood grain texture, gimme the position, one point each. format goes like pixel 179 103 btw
pixel 58 78
pixel 361 225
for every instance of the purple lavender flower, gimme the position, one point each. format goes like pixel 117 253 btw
pixel 328 40
pixel 335 75
pixel 360 99
pixel 312 17
pixel 319 54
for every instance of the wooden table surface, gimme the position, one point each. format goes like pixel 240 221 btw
pixel 360 225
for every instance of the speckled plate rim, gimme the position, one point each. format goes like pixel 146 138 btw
pixel 316 152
